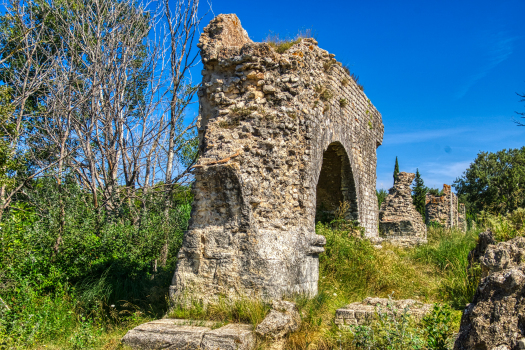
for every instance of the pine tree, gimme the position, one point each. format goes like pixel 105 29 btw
pixel 419 192
pixel 396 171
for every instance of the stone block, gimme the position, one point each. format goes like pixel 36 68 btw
pixel 229 337
pixel 165 334
pixel 364 312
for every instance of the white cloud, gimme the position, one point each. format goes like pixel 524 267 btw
pixel 434 174
pixel 501 47
pixel 420 136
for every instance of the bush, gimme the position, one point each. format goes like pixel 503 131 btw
pixel 438 327
pixel 393 329
pixel 504 227
pixel 62 259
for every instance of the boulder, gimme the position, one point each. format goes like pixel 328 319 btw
pixel 485 239
pixel 496 317
pixel 178 334
pixel 281 320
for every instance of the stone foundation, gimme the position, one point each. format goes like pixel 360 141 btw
pixel 363 313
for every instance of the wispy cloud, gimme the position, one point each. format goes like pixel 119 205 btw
pixel 451 170
pixel 434 174
pixel 421 136
pixel 500 48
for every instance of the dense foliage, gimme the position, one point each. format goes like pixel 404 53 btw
pixel 103 259
pixel 494 182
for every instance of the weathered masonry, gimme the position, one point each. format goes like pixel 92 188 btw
pixel 446 210
pixel 281 135
pixel 399 221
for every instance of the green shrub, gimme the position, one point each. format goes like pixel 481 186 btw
pixel 438 327
pixel 393 329
pixel 504 227
pixel 95 263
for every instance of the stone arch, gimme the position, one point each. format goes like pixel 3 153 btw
pixel 336 184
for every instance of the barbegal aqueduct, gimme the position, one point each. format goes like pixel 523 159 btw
pixel 281 137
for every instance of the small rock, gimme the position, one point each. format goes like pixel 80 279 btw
pixel 268 89
pixel 229 337
pixel 501 347
pixel 521 343
pixel 281 320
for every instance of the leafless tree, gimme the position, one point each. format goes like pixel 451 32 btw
pixel 113 87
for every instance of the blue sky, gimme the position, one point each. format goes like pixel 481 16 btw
pixel 444 74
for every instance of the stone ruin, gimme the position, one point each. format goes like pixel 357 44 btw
pixel 365 312
pixel 446 210
pixel 280 136
pixel 495 319
pixel 399 221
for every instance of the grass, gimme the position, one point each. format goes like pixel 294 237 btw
pixel 351 269
pixel 281 45
pixel 354 77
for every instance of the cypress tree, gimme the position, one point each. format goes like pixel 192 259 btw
pixel 419 192
pixel 396 171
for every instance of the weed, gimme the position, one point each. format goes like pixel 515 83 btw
pixel 226 310
pixel 241 111
pixel 292 114
pixel 326 108
pixel 328 64
pixel 345 81
pixel 281 45
pixel 370 126
pixel 354 77
pixel 343 102
pixel 326 95
pixel 229 124
pixel 438 327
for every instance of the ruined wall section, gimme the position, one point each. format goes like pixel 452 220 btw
pixel 265 121
pixel 445 209
pixel 399 221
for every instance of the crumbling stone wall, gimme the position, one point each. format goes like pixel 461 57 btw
pixel 280 135
pixel 446 209
pixel 399 221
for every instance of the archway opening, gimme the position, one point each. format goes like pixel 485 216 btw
pixel 336 196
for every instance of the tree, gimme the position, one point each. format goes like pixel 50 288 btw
pixel 381 196
pixel 494 182
pixel 396 171
pixel 419 192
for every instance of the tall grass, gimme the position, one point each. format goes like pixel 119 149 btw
pixel 98 278
pixel 282 44
pixel 95 312
pixel 447 252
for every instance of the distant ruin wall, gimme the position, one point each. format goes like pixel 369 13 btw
pixel 445 209
pixel 280 136
pixel 399 221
